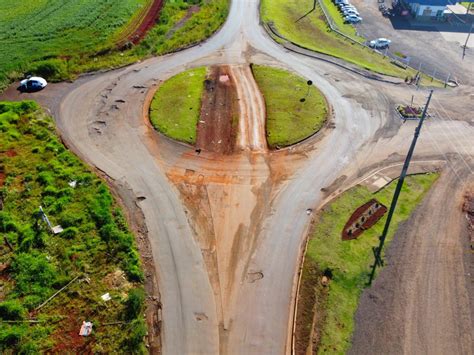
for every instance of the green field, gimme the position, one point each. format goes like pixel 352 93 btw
pixel 58 39
pixel 349 261
pixel 312 32
pixel 288 119
pixel 176 106
pixel 37 31
pixel 96 244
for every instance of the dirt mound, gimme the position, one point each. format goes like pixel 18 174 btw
pixel 217 127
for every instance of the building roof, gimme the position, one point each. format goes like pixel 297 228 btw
pixel 433 2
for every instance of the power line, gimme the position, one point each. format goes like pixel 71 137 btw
pixel 378 250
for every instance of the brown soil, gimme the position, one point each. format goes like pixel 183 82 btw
pixel 217 127
pixel 2 178
pixel 311 309
pixel 68 339
pixel 11 153
pixel 137 30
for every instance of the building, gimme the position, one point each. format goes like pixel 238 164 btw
pixel 425 9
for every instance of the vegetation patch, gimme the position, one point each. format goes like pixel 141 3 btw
pixel 313 33
pixel 95 247
pixel 58 39
pixel 176 106
pixel 295 110
pixel 346 263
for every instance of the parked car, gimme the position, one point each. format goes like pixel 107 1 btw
pixel 33 83
pixel 352 19
pixel 344 7
pixel 345 2
pixel 380 43
pixel 350 12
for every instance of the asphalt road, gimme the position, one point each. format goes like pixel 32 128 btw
pixel 113 136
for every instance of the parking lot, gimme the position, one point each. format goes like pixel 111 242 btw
pixel 435 47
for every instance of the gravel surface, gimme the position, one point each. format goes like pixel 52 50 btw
pixel 421 302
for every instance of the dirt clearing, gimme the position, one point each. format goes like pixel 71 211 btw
pixel 217 126
pixel 421 303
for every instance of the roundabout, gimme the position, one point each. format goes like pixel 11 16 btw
pixel 227 230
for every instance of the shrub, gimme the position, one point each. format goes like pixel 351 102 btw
pixel 134 342
pixel 70 233
pixel 33 273
pixel 10 336
pixel 52 69
pixel 134 303
pixel 12 310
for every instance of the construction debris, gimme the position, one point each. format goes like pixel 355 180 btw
pixel 106 297
pixel 86 329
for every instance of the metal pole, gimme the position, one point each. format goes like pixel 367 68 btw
pixel 378 250
pixel 467 39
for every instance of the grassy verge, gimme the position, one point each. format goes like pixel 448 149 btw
pixel 288 119
pixel 348 261
pixel 96 247
pixel 312 32
pixel 59 40
pixel 176 105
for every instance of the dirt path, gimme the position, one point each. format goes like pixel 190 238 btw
pixel 252 110
pixel 420 303
pixel 217 126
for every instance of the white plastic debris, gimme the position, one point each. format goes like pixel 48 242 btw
pixel 72 183
pixel 86 329
pixel 106 297
pixel 57 229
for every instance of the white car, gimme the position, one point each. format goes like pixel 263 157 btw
pixel 350 12
pixel 380 43
pixel 352 19
pixel 33 83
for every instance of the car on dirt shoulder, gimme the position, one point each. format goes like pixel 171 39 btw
pixel 33 83
pixel 380 43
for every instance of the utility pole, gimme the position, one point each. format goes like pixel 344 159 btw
pixel 378 250
pixel 467 39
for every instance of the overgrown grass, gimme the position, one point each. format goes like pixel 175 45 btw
pixel 96 244
pixel 312 32
pixel 176 105
pixel 349 261
pixel 59 40
pixel 288 119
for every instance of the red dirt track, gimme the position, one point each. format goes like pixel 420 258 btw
pixel 138 28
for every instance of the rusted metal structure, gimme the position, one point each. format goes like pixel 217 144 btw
pixel 363 218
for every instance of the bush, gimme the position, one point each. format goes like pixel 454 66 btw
pixel 134 303
pixel 70 233
pixel 52 69
pixel 10 336
pixel 12 310
pixel 134 343
pixel 33 274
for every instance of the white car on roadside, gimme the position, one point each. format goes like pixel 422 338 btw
pixel 351 18
pixel 33 83
pixel 380 43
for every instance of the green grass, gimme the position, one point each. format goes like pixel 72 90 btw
pixel 289 120
pixel 338 19
pixel 36 170
pixel 312 32
pixel 37 31
pixel 176 105
pixel 350 260
pixel 59 39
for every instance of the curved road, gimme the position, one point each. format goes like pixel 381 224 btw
pixel 112 136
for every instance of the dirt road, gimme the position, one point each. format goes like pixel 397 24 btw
pixel 252 107
pixel 421 303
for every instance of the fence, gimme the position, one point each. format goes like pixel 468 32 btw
pixel 439 75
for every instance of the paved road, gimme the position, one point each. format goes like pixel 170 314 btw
pixel 112 135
